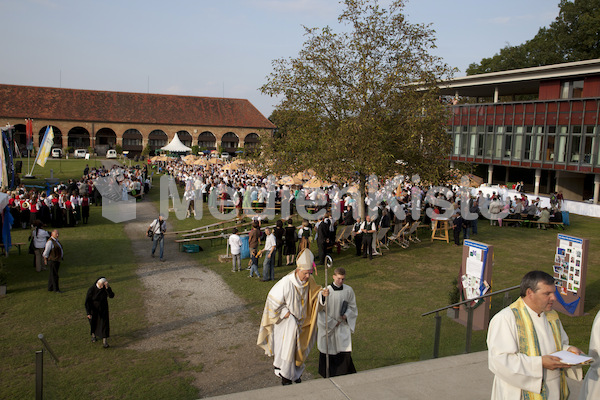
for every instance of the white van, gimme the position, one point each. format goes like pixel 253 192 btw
pixel 56 153
pixel 111 153
pixel 80 153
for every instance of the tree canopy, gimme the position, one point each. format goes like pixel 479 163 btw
pixel 361 101
pixel 573 36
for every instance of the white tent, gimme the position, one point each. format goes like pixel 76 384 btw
pixel 176 146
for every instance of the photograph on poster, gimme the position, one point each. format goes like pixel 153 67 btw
pixel 572 259
pixel 577 263
pixel 560 251
pixel 563 290
pixel 576 282
pixel 570 244
pixel 578 253
pixel 570 277
pixel 557 269
pixel 565 265
pixel 558 259
pixel 564 276
pixel 577 271
pixel 570 287
pixel 571 269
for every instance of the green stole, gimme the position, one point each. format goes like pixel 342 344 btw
pixel 529 345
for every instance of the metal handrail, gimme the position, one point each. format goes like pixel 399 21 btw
pixel 468 305
pixel 473 299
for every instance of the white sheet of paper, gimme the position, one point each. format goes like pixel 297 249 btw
pixel 474 267
pixel 572 359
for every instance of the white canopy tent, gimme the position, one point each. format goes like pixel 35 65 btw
pixel 176 146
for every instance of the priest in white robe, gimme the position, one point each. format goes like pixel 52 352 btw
pixel 336 327
pixel 288 326
pixel 520 340
pixel 591 387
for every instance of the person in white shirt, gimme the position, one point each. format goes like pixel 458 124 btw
pixel 269 253
pixel 235 244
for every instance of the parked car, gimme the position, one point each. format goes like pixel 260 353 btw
pixel 225 156
pixel 111 153
pixel 56 153
pixel 80 153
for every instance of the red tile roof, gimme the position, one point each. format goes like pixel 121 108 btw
pixel 120 107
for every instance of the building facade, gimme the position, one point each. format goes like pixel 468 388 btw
pixel 103 120
pixel 539 125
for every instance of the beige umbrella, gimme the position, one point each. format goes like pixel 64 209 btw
pixel 239 161
pixel 201 161
pixel 253 172
pixel 289 180
pixel 230 167
pixel 215 161
pixel 315 182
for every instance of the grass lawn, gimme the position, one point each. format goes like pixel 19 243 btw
pixel 392 292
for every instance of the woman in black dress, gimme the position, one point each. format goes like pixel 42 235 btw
pixel 279 232
pixel 96 306
pixel 291 236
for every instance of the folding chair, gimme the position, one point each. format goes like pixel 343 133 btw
pixel 400 237
pixel 412 233
pixel 343 235
pixel 380 244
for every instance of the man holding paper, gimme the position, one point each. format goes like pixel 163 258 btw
pixel 521 339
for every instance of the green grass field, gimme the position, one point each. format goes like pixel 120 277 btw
pixel 392 292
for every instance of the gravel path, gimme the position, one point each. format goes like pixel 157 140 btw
pixel 192 311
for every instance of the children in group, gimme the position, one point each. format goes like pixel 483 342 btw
pixel 253 263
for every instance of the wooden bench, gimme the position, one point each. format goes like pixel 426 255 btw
pixel 17 245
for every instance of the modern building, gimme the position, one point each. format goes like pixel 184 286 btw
pixel 539 125
pixel 103 120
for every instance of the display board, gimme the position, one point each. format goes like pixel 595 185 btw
pixel 475 275
pixel 570 272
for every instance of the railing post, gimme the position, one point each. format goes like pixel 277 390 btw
pixel 506 299
pixel 39 375
pixel 469 327
pixel 436 340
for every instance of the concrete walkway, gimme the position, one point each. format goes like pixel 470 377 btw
pixel 462 377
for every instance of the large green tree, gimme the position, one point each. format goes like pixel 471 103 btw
pixel 360 101
pixel 573 36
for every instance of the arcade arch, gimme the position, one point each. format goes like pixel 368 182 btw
pixel 157 139
pixel 251 141
pixel 230 142
pixel 208 141
pixel 133 141
pixel 185 138
pixel 78 138
pixel 58 142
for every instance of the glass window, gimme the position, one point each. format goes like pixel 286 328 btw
pixel 473 145
pixel 509 129
pixel 528 155
pixel 539 129
pixel 498 148
pixel 529 129
pixel 576 129
pixel 457 129
pixel 551 129
pixel 489 145
pixel 465 128
pixel 457 144
pixel 575 143
pixel 538 148
pixel 500 129
pixel 564 90
pixel 490 128
pixel 588 149
pixel 507 146
pixel 577 90
pixel 590 129
pixel 550 148
pixel 480 139
pixel 463 144
pixel 562 149
pixel 518 145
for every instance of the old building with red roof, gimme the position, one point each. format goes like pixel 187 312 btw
pixel 103 120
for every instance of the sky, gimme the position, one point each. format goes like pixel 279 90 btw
pixel 220 48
